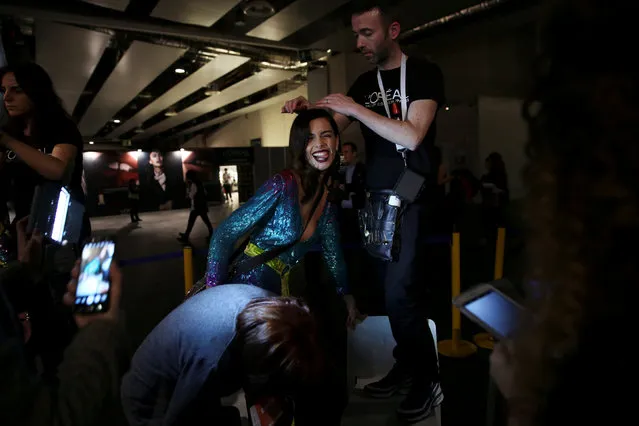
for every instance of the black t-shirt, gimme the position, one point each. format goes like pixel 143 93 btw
pixel 424 80
pixel 23 179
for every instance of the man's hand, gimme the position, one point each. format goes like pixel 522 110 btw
pixel 296 105
pixel 29 249
pixel 339 103
pixel 82 320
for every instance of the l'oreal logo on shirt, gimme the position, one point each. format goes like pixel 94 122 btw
pixel 375 99
pixel 11 156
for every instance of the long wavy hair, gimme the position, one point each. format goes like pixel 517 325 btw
pixel 47 113
pixel 312 179
pixel 583 209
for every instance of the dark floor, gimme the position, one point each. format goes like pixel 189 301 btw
pixel 154 285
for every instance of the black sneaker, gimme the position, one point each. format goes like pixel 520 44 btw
pixel 420 402
pixel 395 382
pixel 183 238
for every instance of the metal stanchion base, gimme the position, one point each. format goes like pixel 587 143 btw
pixel 456 349
pixel 485 340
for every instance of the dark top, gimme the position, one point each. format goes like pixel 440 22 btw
pixel 424 80
pixel 186 362
pixel 23 179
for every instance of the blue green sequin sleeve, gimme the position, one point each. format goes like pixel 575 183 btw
pixel 332 250
pixel 238 225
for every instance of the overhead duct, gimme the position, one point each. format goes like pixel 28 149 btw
pixel 120 21
pixel 480 8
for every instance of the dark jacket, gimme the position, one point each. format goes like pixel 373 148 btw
pixel 88 377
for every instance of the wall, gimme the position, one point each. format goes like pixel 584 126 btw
pixel 267 123
pixel 502 129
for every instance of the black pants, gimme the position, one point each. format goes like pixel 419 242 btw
pixel 134 210
pixel 205 218
pixel 323 404
pixel 404 294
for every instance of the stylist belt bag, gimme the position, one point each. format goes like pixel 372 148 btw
pixel 380 219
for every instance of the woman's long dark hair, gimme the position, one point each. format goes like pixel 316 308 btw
pixel 312 179
pixel 583 212
pixel 48 112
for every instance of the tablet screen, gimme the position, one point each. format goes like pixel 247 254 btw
pixel 496 311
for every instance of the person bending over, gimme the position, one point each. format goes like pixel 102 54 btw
pixel 217 342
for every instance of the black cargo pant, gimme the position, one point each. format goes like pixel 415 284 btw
pixel 404 283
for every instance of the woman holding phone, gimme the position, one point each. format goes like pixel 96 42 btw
pixel 40 142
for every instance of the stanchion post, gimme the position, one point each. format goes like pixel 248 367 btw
pixel 487 340
pixel 456 347
pixel 188 269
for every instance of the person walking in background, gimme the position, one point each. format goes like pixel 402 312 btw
pixel 199 206
pixel 134 201
pixel 228 187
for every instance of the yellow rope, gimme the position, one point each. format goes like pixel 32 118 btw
pixel 276 264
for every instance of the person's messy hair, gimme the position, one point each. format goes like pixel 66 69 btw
pixel 279 340
pixel 312 179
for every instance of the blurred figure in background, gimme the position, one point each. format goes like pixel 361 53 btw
pixel 494 194
pixel 134 201
pixel 199 206
pixel 569 363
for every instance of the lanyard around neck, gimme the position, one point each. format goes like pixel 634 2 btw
pixel 402 94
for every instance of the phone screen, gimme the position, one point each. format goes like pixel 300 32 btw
pixel 92 294
pixel 496 311
pixel 60 218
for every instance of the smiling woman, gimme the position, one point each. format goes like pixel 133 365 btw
pixel 40 142
pixel 287 217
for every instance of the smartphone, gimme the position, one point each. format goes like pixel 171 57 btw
pixel 56 214
pixel 94 282
pixel 492 309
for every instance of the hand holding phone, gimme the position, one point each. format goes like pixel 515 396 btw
pixel 97 278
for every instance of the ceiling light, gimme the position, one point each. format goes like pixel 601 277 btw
pixel 258 9
pixel 180 70
pixel 170 113
pixel 329 51
pixel 247 101
pixel 447 108
pixel 91 142
pixel 211 92
pixel 116 121
pixel 139 130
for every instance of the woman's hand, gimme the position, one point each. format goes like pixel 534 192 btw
pixel 501 368
pixel 82 320
pixel 353 314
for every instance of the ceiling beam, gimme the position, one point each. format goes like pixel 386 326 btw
pixel 122 22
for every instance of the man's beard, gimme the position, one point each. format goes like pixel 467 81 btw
pixel 379 57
